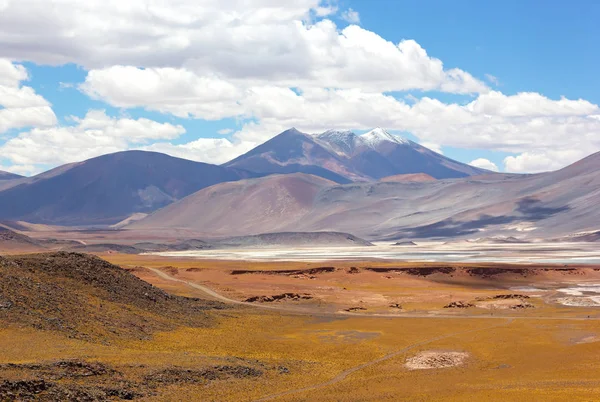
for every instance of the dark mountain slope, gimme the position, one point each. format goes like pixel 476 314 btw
pixel 294 152
pixel 9 176
pixel 109 188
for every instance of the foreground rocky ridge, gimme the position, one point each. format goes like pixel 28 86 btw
pixel 88 298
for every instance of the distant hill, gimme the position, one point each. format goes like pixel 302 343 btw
pixel 11 241
pixel 109 189
pixel 343 156
pixel 295 239
pixel 404 178
pixel 547 205
pixel 9 176
pixel 253 206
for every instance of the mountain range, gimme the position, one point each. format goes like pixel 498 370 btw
pixel 375 185
pixel 530 206
pixel 108 189
pixel 345 157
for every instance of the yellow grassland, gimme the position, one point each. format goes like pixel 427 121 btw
pixel 550 353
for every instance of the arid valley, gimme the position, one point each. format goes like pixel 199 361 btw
pixel 299 200
pixel 293 329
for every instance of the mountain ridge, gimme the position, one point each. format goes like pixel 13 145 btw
pixel 109 188
pixel 343 156
pixel 533 206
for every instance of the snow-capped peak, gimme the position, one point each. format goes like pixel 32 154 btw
pixel 341 134
pixel 379 135
pixel 340 141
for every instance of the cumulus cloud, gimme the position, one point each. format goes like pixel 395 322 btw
pixel 225 131
pixel 252 42
pixel 95 134
pixel 271 65
pixel 215 150
pixel 434 147
pixel 351 16
pixel 545 159
pixel 483 163
pixel 518 123
pixel 21 106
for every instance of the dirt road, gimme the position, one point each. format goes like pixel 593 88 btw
pixel 293 310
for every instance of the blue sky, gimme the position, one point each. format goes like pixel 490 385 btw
pixel 316 65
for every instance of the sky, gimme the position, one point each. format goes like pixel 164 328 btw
pixel 509 86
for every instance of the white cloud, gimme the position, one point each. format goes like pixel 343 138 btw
pixel 273 65
pixel 244 42
pixel 175 91
pixel 434 147
pixel 23 170
pixel 545 159
pixel 520 123
pixel 91 136
pixel 20 106
pixel 215 150
pixel 225 131
pixel 492 79
pixel 12 74
pixel 351 16
pixel 483 163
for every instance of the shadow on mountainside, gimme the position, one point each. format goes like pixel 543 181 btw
pixel 527 209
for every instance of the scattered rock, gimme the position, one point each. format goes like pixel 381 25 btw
pixel 283 370
pixel 420 271
pixel 22 389
pixel 351 309
pixel 88 298
pixel 286 272
pixel 353 270
pixel 486 272
pixel 176 375
pixel 459 304
pixel 510 296
pixel 5 304
pixel 274 298
pixel 193 270
pixel 396 305
pixel 67 368
pixel 522 305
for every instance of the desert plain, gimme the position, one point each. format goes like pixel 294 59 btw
pixel 279 328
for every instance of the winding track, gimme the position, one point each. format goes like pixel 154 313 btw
pixel 344 374
pixel 217 296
